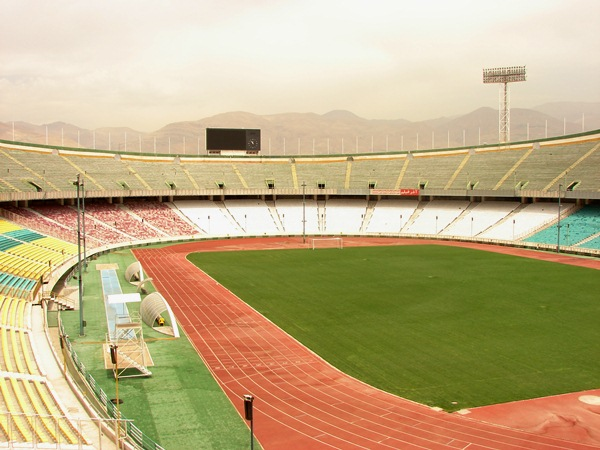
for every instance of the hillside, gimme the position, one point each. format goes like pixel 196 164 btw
pixel 310 133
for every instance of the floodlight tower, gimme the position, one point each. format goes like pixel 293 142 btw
pixel 503 76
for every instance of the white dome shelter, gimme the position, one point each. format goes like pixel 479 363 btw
pixel 134 273
pixel 153 310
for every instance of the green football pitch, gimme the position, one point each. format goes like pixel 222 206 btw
pixel 444 326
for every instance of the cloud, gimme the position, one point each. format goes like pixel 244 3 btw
pixel 147 63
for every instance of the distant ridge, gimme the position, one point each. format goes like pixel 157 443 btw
pixel 335 132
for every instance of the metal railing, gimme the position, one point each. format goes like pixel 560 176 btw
pixel 128 432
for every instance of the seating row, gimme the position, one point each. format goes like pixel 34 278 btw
pixel 536 165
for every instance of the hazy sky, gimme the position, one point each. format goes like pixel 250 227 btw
pixel 147 63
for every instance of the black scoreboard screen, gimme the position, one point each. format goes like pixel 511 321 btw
pixel 232 139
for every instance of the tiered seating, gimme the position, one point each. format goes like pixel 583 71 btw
pixel 15 286
pixel 97 232
pixel 207 173
pixel 390 216
pixel 487 168
pixel 24 392
pixel 253 216
pixel 28 254
pixel 575 228
pixel 257 173
pixel 54 174
pixel 435 170
pixel 333 174
pixel 594 243
pixel 6 226
pixel 436 216
pixel 586 172
pixel 546 163
pixel 524 221
pixel 106 171
pixel 33 220
pixel 344 216
pixel 22 267
pixel 383 172
pixel 209 217
pixel 162 216
pixel 62 247
pixel 15 175
pixel 159 173
pixel 480 218
pixel 120 219
pixel 290 213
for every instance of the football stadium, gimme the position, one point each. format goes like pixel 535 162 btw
pixel 419 299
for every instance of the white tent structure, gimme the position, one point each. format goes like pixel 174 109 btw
pixel 153 310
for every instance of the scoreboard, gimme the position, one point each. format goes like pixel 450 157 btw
pixel 232 139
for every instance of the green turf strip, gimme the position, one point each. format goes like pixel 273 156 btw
pixel 443 326
pixel 180 406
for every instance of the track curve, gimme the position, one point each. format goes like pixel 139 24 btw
pixel 302 401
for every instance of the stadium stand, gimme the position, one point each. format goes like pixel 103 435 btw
pixel 524 221
pixel 576 228
pixel 253 217
pixel 161 216
pixel 505 194
pixel 344 216
pixel 435 216
pixel 390 216
pixel 479 218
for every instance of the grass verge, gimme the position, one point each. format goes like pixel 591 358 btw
pixel 181 406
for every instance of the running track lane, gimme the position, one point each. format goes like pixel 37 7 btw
pixel 301 401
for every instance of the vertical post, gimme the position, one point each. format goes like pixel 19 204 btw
pixel 114 358
pixel 80 272
pixel 248 413
pixel 85 264
pixel 558 222
pixel 304 212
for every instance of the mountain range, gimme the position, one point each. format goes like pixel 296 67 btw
pixel 332 133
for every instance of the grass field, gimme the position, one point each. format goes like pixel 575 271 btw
pixel 443 326
pixel 180 406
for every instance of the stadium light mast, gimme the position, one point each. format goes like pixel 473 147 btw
pixel 503 76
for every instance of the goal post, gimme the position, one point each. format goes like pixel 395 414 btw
pixel 330 242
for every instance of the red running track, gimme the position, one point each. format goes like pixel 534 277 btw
pixel 302 402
